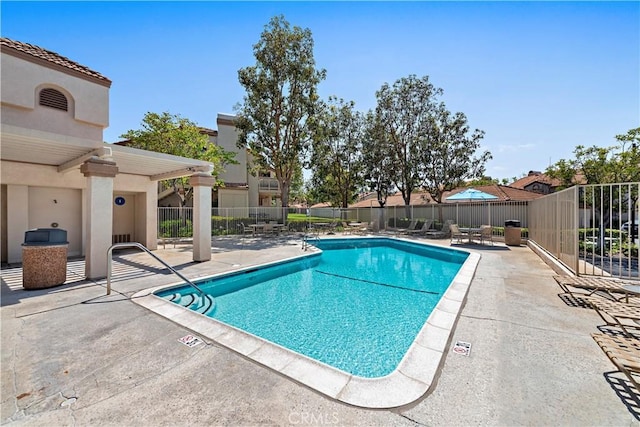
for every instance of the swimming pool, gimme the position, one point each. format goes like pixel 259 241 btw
pixel 357 306
pixel 412 376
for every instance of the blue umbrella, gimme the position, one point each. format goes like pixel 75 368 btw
pixel 471 195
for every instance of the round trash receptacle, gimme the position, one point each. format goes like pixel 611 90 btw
pixel 44 258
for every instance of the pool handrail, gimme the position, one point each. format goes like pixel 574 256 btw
pixel 143 248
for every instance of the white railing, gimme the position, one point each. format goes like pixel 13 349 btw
pixel 589 228
pixel 176 223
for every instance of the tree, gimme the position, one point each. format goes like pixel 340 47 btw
pixel 336 161
pixel 376 160
pixel 276 119
pixel 602 165
pixel 171 134
pixel 404 112
pixel 447 154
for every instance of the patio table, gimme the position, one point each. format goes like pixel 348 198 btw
pixel 470 231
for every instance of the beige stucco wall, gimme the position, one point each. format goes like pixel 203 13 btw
pixel 227 139
pixel 90 101
pixel 32 189
pixel 233 198
pixel 57 208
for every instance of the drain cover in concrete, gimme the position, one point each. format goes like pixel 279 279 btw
pixel 190 340
pixel 462 347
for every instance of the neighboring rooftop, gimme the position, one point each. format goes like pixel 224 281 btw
pixel 534 177
pixel 504 193
pixel 51 59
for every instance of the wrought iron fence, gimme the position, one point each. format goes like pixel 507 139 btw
pixel 592 229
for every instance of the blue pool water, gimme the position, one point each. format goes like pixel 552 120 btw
pixel 357 306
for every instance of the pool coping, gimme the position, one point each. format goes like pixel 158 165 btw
pixel 415 374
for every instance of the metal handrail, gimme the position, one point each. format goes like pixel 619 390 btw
pixel 143 248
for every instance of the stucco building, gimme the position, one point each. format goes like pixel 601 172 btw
pixel 56 171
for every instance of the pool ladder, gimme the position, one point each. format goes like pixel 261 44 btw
pixel 305 239
pixel 207 300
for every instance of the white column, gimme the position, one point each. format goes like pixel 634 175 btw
pixel 201 183
pixel 17 220
pixel 99 218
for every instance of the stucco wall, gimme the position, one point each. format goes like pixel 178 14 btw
pixel 21 81
pixel 33 189
pixel 227 139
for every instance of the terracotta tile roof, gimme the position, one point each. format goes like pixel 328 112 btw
pixel 532 178
pixel 503 192
pixel 207 131
pixel 38 54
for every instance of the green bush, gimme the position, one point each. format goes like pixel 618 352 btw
pixel 176 228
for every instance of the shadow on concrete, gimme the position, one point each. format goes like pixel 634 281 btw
pixel 574 300
pixel 625 391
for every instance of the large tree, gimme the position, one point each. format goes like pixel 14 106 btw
pixel 404 112
pixel 377 161
pixel 448 153
pixel 276 118
pixel 336 161
pixel 171 134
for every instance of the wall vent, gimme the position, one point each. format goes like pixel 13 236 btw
pixel 120 238
pixel 54 99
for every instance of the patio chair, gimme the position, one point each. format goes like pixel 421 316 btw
pixel 486 233
pixel 346 228
pixel 270 229
pixel 445 231
pixel 615 313
pixel 246 230
pixel 456 233
pixel 426 225
pixel 617 290
pixel 624 353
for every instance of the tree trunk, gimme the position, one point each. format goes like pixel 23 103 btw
pixel 284 196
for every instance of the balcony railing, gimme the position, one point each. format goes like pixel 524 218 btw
pixel 268 184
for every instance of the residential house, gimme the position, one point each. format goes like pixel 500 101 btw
pixel 537 182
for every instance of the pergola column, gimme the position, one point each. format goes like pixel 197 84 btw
pixel 201 183
pixel 99 214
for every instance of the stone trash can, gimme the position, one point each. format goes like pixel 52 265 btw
pixel 512 232
pixel 44 258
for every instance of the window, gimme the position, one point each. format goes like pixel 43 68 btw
pixel 54 99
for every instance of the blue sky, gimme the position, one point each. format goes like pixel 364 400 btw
pixel 538 77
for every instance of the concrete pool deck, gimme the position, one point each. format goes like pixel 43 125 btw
pixel 73 356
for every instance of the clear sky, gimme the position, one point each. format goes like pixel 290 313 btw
pixel 538 77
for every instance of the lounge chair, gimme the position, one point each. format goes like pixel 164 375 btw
pixel 624 353
pixel 597 284
pixel 615 313
pixel 426 225
pixel 445 231
pixel 456 233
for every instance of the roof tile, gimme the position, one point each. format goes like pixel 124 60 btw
pixel 51 57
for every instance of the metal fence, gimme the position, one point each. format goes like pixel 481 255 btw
pixel 177 222
pixel 592 229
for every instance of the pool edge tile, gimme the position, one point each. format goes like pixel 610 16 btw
pixel 413 377
pixel 391 391
pixel 328 381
